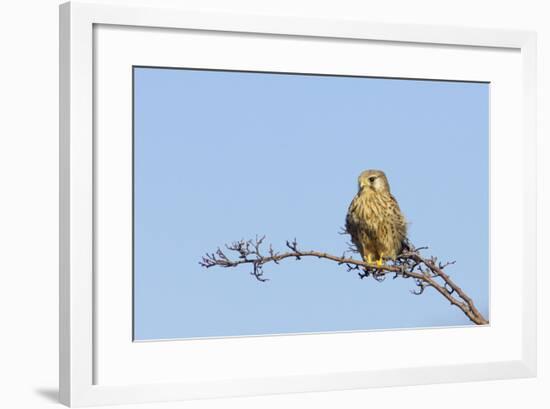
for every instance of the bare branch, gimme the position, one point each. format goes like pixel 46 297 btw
pixel 426 271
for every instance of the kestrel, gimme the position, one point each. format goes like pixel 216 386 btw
pixel 376 225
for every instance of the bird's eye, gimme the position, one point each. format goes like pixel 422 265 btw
pixel 371 179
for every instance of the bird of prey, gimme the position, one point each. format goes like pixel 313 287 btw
pixel 377 227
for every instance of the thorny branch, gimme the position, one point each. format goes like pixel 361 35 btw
pixel 425 271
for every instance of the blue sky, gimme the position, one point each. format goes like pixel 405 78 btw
pixel 221 156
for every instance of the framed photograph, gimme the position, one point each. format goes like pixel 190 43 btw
pixel 264 204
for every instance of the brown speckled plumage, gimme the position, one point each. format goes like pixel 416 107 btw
pixel 374 221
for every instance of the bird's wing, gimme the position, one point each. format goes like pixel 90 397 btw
pixel 395 208
pixel 350 223
pixel 399 218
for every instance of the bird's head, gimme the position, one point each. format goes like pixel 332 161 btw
pixel 373 181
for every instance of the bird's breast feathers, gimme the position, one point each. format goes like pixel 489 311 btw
pixel 373 213
pixel 367 211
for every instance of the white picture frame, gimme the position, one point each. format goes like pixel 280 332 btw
pixel 85 381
